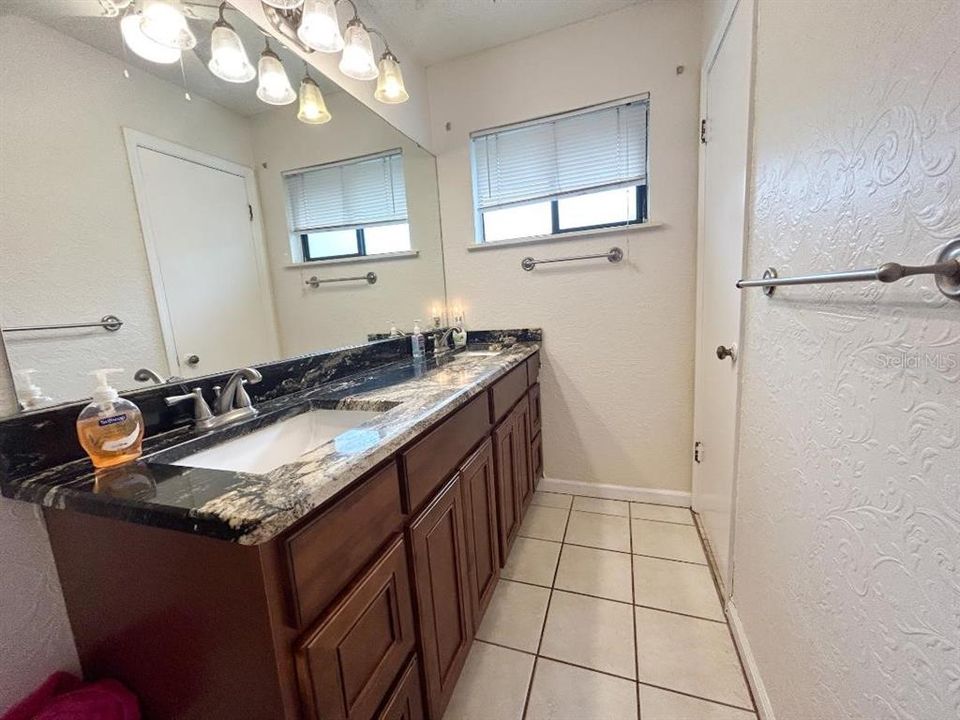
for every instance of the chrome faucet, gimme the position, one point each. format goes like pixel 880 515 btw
pixel 440 346
pixel 230 404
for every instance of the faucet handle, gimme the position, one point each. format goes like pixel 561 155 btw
pixel 241 399
pixel 201 411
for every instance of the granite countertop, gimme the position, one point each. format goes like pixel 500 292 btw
pixel 251 509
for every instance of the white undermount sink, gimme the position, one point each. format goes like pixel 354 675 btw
pixel 282 442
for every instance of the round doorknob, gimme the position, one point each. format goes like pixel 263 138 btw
pixel 192 359
pixel 726 352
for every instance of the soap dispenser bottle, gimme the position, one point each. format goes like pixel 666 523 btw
pixel 110 428
pixel 419 342
pixel 29 393
pixel 460 334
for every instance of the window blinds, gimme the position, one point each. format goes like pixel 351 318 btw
pixel 563 155
pixel 360 191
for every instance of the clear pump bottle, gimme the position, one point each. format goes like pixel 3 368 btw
pixel 110 428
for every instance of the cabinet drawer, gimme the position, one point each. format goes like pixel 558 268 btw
pixel 326 554
pixel 535 418
pixel 437 456
pixel 406 700
pixel 533 368
pixel 346 665
pixel 506 391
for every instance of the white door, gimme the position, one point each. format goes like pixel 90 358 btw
pixel 206 258
pixel 726 104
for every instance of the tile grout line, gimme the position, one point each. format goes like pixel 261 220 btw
pixel 699 697
pixel 633 617
pixel 546 614
pixel 631 502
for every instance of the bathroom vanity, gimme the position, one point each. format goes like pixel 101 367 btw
pixel 346 582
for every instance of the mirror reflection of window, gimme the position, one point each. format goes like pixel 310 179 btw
pixel 350 208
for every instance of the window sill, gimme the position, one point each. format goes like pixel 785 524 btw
pixel 361 259
pixel 576 235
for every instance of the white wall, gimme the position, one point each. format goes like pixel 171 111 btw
pixel 618 345
pixel 35 636
pixel 846 574
pixel 66 198
pixel 343 313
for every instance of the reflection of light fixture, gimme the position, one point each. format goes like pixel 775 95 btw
pixel 112 8
pixel 164 23
pixel 228 58
pixel 274 86
pixel 358 61
pixel 319 28
pixel 390 89
pixel 143 46
pixel 313 110
pixel 283 4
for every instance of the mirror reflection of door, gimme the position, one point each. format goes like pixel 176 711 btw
pixel 206 256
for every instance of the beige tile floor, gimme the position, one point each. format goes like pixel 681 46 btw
pixel 606 610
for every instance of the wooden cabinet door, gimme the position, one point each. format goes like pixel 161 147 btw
pixel 536 459
pixel 480 493
pixel 508 509
pixel 348 663
pixel 406 700
pixel 523 475
pixel 438 540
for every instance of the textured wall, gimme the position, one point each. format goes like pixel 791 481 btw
pixel 35 636
pixel 847 576
pixel 618 352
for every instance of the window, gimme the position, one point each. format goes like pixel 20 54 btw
pixel 576 171
pixel 350 208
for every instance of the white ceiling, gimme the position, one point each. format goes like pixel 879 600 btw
pixel 83 21
pixel 438 30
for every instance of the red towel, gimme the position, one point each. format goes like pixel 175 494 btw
pixel 65 697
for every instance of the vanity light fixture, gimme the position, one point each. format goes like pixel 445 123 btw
pixel 313 110
pixel 358 61
pixel 163 22
pixel 228 57
pixel 390 89
pixel 319 27
pixel 143 46
pixel 283 4
pixel 274 87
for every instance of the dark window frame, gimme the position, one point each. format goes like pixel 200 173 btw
pixel 556 230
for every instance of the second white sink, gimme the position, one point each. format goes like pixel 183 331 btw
pixel 278 444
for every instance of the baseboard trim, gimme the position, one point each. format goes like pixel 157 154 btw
pixel 677 498
pixel 760 697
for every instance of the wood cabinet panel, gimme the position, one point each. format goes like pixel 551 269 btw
pixel 536 458
pixel 533 369
pixel 480 493
pixel 324 555
pixel 535 415
pixel 522 473
pixel 406 700
pixel 434 458
pixel 438 541
pixel 506 391
pixel 348 663
pixel 508 508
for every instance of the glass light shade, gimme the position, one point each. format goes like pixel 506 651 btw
pixel 228 59
pixel 163 22
pixel 390 89
pixel 319 27
pixel 357 61
pixel 274 87
pixel 143 46
pixel 313 110
pixel 283 4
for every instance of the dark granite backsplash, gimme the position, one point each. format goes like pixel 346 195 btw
pixel 31 442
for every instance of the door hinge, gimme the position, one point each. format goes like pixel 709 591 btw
pixel 703 131
pixel 250 208
pixel 698 451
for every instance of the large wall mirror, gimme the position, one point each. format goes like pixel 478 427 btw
pixel 191 226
